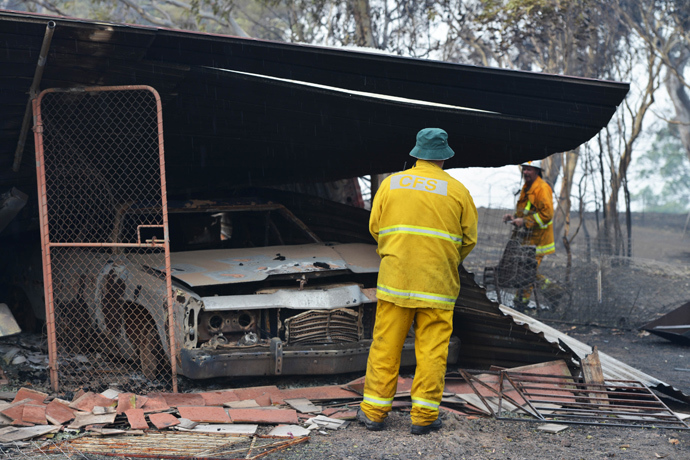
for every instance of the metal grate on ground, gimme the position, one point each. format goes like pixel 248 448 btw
pixel 174 446
pixel 109 312
pixel 564 399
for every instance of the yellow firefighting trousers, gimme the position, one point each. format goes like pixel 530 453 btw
pixel 432 328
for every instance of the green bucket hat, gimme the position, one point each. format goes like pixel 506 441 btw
pixel 432 144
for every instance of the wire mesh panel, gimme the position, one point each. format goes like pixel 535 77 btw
pixel 104 234
pixel 589 284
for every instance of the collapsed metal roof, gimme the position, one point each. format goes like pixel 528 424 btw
pixel 495 335
pixel 240 111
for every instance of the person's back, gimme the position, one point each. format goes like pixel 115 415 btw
pixel 425 223
pixel 424 219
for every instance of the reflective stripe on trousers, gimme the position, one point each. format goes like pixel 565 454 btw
pixel 433 328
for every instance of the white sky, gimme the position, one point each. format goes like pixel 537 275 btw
pixel 490 187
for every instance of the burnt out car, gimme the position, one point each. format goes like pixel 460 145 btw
pixel 257 290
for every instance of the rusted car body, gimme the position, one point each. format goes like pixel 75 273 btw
pixel 256 292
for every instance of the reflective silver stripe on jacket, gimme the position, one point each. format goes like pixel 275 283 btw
pixel 423 231
pixel 537 218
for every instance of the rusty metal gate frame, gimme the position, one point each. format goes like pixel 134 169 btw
pixel 45 236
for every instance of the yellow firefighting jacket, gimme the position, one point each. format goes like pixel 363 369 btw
pixel 425 223
pixel 535 206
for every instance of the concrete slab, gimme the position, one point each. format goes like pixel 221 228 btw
pixel 552 427
pixel 14 434
pixel 303 405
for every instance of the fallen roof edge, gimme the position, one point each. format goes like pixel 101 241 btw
pixel 611 367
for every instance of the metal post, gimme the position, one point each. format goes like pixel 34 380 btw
pixel 33 92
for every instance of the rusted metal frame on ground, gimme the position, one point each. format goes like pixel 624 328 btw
pixel 120 449
pixel 33 92
pixel 469 378
pixel 45 236
pixel 603 412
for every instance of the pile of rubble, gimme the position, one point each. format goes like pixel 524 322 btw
pixel 259 420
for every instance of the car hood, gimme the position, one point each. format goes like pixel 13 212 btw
pixel 230 266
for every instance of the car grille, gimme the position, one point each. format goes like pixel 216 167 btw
pixel 324 326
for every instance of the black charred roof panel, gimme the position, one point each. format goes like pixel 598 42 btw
pixel 236 111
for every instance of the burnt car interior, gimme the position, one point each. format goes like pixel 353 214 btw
pixel 254 222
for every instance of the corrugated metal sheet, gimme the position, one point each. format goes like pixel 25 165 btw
pixel 496 335
pixel 613 369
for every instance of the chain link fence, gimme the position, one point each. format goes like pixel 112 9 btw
pixel 106 263
pixel 596 287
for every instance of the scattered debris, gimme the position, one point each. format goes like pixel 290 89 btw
pixel 8 325
pixel 673 326
pixel 226 423
pixel 289 431
pixel 321 421
pixel 552 427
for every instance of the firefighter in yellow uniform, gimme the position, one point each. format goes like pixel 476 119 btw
pixel 425 224
pixel 534 212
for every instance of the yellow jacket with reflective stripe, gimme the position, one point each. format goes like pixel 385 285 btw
pixel 535 206
pixel 425 223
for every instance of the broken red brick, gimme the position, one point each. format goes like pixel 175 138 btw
pixel 137 419
pixel 89 400
pixel 344 415
pixel 58 413
pixel 263 416
pixel 267 400
pixel 340 413
pixel 126 401
pixel 163 420
pixel 15 411
pixel 35 414
pixel 218 398
pixel 322 393
pixel 81 392
pixel 261 395
pixel 183 399
pixel 155 404
pixel 204 414
pixel 357 385
pixel 25 393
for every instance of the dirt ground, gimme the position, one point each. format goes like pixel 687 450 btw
pixel 483 437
